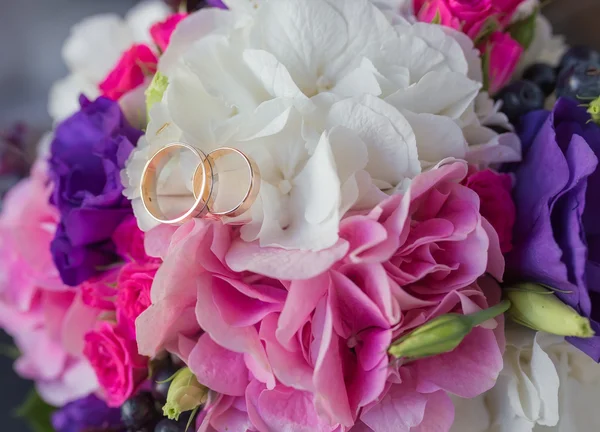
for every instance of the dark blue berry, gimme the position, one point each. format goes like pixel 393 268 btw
pixel 579 82
pixel 519 98
pixel 543 75
pixel 166 425
pixel 498 129
pixel 139 411
pixel 579 54
pixel 160 388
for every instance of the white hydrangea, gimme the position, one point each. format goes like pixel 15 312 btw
pixel 94 48
pixel 335 103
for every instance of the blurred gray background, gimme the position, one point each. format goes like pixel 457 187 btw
pixel 31 37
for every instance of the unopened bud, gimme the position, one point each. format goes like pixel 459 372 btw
pixel 538 308
pixel 442 334
pixel 185 394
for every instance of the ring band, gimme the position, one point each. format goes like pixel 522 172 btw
pixel 149 181
pixel 250 195
pixel 203 182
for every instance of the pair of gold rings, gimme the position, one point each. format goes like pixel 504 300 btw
pixel 204 178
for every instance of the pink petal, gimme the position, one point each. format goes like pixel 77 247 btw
pixel 158 239
pixel 439 414
pixel 208 361
pixel 283 264
pixel 289 366
pixel 330 388
pixel 471 369
pixel 302 299
pixel 400 410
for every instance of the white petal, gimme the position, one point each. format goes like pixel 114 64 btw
pixel 442 93
pixel 472 54
pixel 437 39
pixel 193 28
pixel 274 76
pixel 437 137
pixel 95 45
pixel 545 378
pixel 319 39
pixel 218 62
pixel 63 100
pixel 361 80
pixel 143 15
pixel 133 105
pixel 390 140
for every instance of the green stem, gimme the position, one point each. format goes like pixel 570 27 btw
pixel 487 314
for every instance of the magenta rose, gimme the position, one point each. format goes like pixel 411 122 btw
pixel 135 282
pixel 472 17
pixel 501 56
pixel 496 203
pixel 118 366
pixel 131 71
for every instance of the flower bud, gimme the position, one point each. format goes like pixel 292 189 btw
pixel 538 308
pixel 185 394
pixel 442 334
pixel 155 91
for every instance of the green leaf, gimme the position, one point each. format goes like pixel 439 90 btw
pixel 36 413
pixel 490 26
pixel 437 19
pixel 524 31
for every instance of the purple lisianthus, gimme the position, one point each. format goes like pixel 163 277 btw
pixel 557 231
pixel 87 154
pixel 89 413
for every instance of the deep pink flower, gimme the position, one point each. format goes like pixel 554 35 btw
pixel 100 291
pixel 497 205
pixel 501 54
pixel 133 287
pixel 137 63
pixel 161 32
pixel 472 17
pixel 118 366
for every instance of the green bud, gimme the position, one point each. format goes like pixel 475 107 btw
pixel 538 308
pixel 442 334
pixel 185 394
pixel 155 91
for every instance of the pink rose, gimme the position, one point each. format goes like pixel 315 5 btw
pixel 472 17
pixel 161 32
pixel 131 71
pixel 134 283
pixel 501 56
pixel 497 205
pixel 437 11
pixel 46 319
pixel 118 366
pixel 100 291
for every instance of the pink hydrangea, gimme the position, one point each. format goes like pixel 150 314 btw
pixel 46 319
pixel 311 330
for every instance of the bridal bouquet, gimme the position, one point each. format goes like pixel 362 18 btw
pixel 312 216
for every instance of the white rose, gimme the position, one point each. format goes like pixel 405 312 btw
pixel 94 48
pixel 546 385
pixel 333 101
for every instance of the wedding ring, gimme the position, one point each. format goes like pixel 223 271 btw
pixel 205 184
pixel 202 184
pixel 250 194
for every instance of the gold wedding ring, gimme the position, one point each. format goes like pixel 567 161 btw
pixel 204 180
